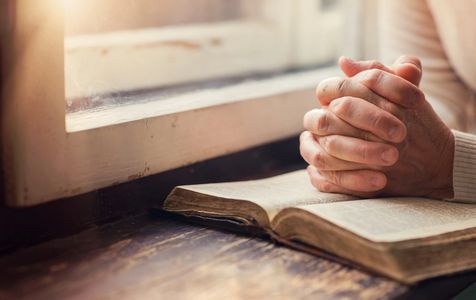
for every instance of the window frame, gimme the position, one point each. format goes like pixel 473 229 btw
pixel 42 161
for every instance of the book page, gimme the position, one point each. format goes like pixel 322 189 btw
pixel 272 194
pixel 398 219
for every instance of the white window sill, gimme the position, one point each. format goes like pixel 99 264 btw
pixel 150 107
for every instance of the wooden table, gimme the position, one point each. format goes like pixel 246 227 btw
pixel 162 257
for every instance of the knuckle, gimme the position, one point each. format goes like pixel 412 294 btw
pixel 323 123
pixel 336 177
pixel 373 76
pixel 319 160
pixel 391 108
pixel 323 141
pixel 375 64
pixel 343 106
pixel 331 88
pixel 328 143
pixel 332 144
pixel 376 119
pixel 341 86
pixel 323 185
pixel 364 152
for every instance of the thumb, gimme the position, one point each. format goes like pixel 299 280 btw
pixel 352 67
pixel 408 67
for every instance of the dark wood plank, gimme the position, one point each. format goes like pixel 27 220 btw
pixel 146 257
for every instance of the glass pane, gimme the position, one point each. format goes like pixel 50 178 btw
pixel 122 51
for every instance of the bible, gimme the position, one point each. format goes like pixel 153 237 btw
pixel 407 239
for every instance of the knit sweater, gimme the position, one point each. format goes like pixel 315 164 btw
pixel 442 34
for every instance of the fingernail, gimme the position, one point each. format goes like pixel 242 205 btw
pixel 389 156
pixel 394 133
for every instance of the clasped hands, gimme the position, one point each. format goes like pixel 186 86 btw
pixel 377 135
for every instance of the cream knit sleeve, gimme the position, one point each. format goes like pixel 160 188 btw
pixel 408 27
pixel 464 168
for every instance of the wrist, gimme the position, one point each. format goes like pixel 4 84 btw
pixel 443 179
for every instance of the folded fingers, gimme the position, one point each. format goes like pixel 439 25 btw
pixel 315 155
pixel 391 87
pixel 367 116
pixel 359 151
pixel 338 87
pixel 324 122
pixel 362 183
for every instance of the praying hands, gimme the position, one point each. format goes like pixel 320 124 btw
pixel 376 135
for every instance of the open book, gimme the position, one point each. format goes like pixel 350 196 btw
pixel 408 239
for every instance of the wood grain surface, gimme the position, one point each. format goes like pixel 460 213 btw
pixel 150 257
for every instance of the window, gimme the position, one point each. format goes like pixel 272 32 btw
pixel 151 85
pixel 111 49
